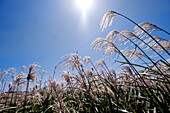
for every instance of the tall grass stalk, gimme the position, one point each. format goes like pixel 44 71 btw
pixel 146 32
pixel 133 35
pixel 113 13
pixel 146 56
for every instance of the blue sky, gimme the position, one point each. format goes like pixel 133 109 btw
pixel 44 30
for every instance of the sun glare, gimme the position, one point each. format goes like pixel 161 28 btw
pixel 84 4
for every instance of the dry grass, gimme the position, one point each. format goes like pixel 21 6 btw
pixel 142 85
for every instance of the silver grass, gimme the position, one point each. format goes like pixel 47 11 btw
pixel 149 42
pixel 23 68
pixel 148 27
pixel 146 41
pixel 54 85
pixel 86 60
pixel 32 72
pixel 67 76
pixel 34 65
pixel 18 79
pixel 109 51
pixel 100 63
pixel 112 35
pixel 133 54
pixel 129 34
pixel 164 43
pixel 126 36
pixel 145 29
pixel 77 78
pixel 88 73
pixel 12 70
pixel 43 72
pixel 97 44
pixel 121 36
pixel 31 76
pixel 107 45
pixel 72 60
pixel 136 46
pixel 141 30
pixel 107 19
pixel 101 43
pixel 111 76
pixel 3 73
pixel 152 43
pixel 150 39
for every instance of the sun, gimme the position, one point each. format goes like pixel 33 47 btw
pixel 84 4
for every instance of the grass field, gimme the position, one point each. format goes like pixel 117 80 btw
pixel 142 85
